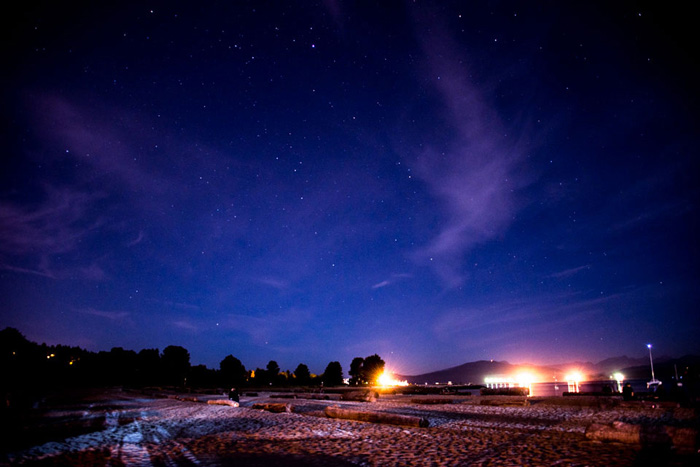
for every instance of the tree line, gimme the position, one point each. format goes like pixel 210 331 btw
pixel 26 364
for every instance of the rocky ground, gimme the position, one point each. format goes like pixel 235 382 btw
pixel 125 428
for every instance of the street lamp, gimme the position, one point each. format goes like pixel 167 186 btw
pixel 654 382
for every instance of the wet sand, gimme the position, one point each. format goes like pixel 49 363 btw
pixel 126 428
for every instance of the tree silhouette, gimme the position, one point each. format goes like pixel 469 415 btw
pixel 28 369
pixel 260 377
pixel 148 367
pixel 356 371
pixel 118 365
pixel 233 373
pixel 202 377
pixel 365 370
pixel 273 368
pixel 302 375
pixel 176 363
pixel 273 371
pixel 372 368
pixel 333 375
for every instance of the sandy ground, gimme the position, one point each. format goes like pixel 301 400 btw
pixel 123 428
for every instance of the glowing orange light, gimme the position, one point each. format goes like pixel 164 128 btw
pixel 525 379
pixel 387 379
pixel 575 376
pixel 573 379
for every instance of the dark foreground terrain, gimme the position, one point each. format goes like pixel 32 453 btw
pixel 128 428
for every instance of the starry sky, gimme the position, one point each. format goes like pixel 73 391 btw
pixel 306 182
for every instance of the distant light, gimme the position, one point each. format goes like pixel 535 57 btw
pixel 521 380
pixel 525 379
pixel 619 378
pixel 387 379
pixel 649 346
pixel 574 376
pixel 573 379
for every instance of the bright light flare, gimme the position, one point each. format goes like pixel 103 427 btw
pixel 525 379
pixel 387 379
pixel 619 378
pixel 573 379
pixel 574 376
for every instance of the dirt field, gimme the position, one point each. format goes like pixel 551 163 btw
pixel 127 428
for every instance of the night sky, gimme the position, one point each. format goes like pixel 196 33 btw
pixel 310 182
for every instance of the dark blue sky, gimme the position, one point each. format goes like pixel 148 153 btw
pixel 436 182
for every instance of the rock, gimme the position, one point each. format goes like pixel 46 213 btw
pixel 187 399
pixel 376 417
pixel 644 435
pixel 360 396
pixel 223 402
pixel 505 401
pixel 274 407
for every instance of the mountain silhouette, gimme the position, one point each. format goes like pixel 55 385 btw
pixel 474 373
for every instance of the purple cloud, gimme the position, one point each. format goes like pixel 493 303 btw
pixel 473 173
pixel 137 240
pixel 570 272
pixel 279 284
pixel 528 323
pixel 110 149
pixel 392 280
pixel 270 326
pixel 56 225
pixel 110 315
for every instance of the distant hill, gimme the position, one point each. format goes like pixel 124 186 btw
pixel 632 368
pixel 475 372
pixel 688 368
pixel 610 365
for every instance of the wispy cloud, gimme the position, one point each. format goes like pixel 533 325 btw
pixel 35 272
pixel 185 306
pixel 392 280
pixel 55 225
pixel 109 315
pixel 30 236
pixel 474 173
pixel 570 272
pixel 137 240
pixel 110 148
pixel 269 326
pixel 279 284
pixel 521 319
pixel 186 325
